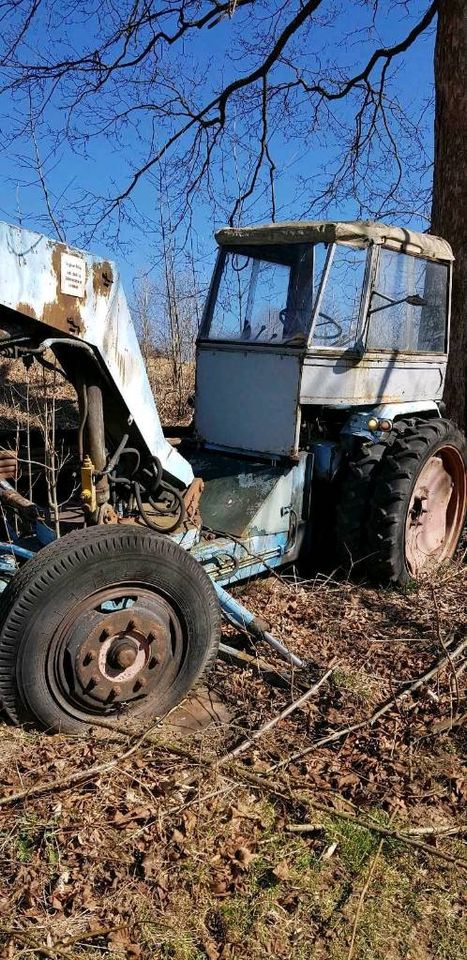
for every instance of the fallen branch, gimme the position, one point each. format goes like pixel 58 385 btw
pixel 449 723
pixel 435 831
pixel 281 716
pixel 242 657
pixel 369 721
pixel 85 775
pixel 403 836
pixel 81 777
pixel 445 649
pixel 361 898
pixel 60 948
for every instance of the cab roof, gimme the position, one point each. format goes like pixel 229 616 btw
pixel 354 233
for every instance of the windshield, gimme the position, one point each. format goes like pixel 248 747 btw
pixel 266 294
pixel 338 314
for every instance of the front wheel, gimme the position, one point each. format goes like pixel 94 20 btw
pixel 110 621
pixel 419 502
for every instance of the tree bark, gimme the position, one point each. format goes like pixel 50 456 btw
pixel 450 184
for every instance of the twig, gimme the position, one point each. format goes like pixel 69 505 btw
pixel 435 831
pixel 74 778
pixel 376 828
pixel 443 726
pixel 403 837
pixel 242 657
pixel 281 716
pixel 24 935
pixel 99 768
pixel 443 645
pixel 60 948
pixel 353 727
pixel 362 898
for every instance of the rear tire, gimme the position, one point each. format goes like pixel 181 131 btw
pixel 111 621
pixel 419 502
pixel 353 507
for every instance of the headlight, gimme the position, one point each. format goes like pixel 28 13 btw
pixel 374 424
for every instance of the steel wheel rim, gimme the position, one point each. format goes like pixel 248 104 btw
pixel 436 510
pixel 94 651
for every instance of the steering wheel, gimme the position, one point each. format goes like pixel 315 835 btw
pixel 283 315
pixel 337 332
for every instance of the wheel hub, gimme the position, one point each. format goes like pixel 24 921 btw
pixel 115 656
pixel 122 654
pixel 435 510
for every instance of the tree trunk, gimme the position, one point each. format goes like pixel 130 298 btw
pixel 450 184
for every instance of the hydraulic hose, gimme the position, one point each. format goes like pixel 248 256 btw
pixel 148 521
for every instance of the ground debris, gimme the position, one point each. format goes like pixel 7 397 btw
pixel 166 853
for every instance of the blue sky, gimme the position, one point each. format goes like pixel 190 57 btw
pixel 99 164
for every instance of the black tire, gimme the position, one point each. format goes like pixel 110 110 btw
pixel 56 599
pixel 388 528
pixel 353 505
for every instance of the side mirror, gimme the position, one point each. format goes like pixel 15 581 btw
pixel 415 300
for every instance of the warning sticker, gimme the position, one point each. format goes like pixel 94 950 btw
pixel 73 275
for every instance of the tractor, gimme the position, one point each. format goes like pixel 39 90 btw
pixel 318 421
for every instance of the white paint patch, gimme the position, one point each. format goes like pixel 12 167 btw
pixel 72 275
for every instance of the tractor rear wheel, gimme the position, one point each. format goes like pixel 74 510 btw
pixel 353 506
pixel 111 621
pixel 419 502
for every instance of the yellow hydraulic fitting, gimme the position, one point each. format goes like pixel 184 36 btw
pixel 88 489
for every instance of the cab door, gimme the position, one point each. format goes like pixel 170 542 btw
pixel 251 349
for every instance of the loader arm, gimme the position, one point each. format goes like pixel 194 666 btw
pixel 54 296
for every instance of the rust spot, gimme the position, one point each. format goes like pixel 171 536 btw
pixel 102 278
pixel 26 309
pixel 63 313
pixel 192 498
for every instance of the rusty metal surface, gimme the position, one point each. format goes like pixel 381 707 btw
pixel 243 498
pixel 436 511
pixel 234 490
pixel 8 465
pixel 11 498
pixel 122 655
pixel 192 499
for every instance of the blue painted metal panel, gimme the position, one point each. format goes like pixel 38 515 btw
pixel 327 459
pixel 16 550
pixel 357 424
pixel 237 614
pixel 247 399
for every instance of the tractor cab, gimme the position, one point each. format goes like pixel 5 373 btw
pixel 318 314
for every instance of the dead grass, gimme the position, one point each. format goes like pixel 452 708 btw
pixel 22 388
pixel 136 864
